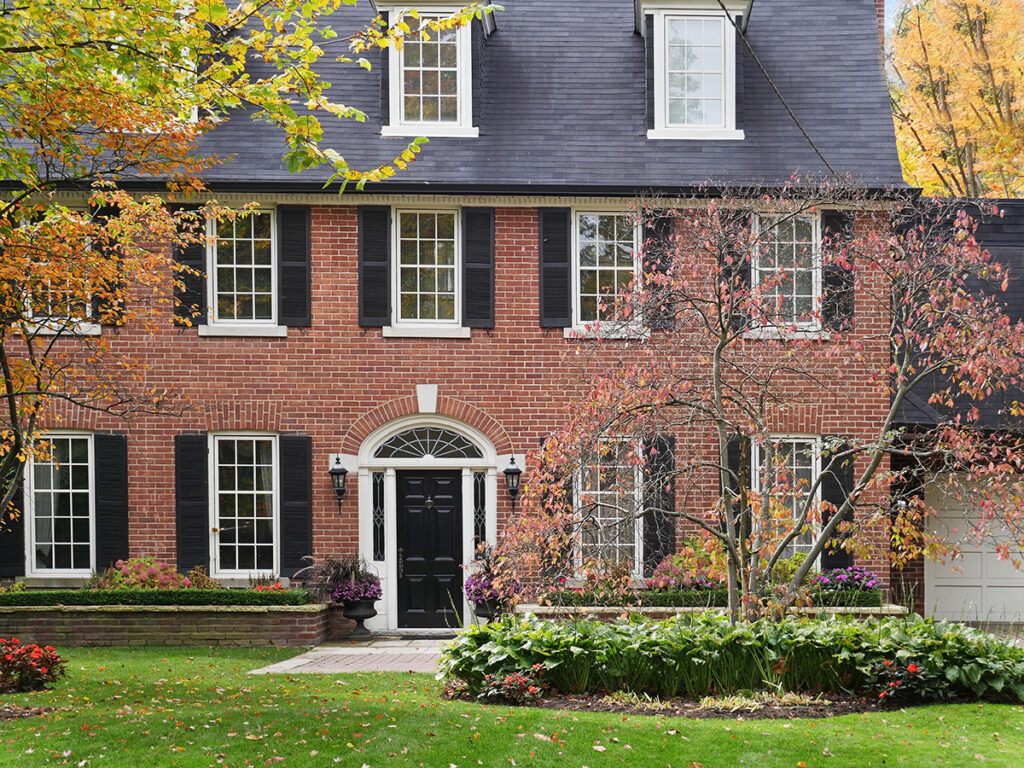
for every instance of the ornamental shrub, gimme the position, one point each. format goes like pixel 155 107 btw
pixel 704 654
pixel 27 667
pixel 142 573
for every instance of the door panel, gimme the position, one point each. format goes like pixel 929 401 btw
pixel 977 585
pixel 430 549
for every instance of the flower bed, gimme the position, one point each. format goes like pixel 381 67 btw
pixel 701 655
pixel 716 597
pixel 196 597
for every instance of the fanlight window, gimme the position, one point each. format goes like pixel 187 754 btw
pixel 428 443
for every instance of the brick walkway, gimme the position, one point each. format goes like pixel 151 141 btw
pixel 372 656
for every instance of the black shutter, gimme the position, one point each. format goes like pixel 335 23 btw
pixel 555 268
pixel 739 457
pixel 478 267
pixel 738 272
pixel 296 502
pixel 566 562
pixel 385 78
pixel 294 270
pixel 837 282
pixel 111 499
pixel 374 266
pixel 659 227
pixel 12 539
pixel 190 298
pixel 192 500
pixel 477 62
pixel 836 486
pixel 649 67
pixel 741 55
pixel 106 309
pixel 659 501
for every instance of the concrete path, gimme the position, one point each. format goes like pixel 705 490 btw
pixel 404 655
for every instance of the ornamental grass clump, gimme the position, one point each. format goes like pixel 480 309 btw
pixel 27 666
pixel 702 655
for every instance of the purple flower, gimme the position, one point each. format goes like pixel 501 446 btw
pixel 367 588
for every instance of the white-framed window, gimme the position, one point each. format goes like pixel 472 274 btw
pixel 242 259
pixel 694 74
pixel 55 309
pixel 608 495
pixel 605 263
pixel 245 504
pixel 788 259
pixel 795 471
pixel 60 495
pixel 427 280
pixel 430 80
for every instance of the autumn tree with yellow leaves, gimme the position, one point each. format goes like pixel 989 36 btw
pixel 99 92
pixel 958 98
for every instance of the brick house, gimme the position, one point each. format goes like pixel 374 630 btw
pixel 415 332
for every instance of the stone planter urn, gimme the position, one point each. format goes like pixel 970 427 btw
pixel 487 610
pixel 359 611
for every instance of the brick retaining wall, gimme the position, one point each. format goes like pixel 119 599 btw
pixel 234 625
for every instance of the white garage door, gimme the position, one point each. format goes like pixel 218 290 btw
pixel 977 585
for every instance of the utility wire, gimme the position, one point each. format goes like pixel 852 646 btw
pixel 775 88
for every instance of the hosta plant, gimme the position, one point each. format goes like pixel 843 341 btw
pixel 707 655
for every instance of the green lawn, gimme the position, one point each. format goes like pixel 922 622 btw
pixel 197 707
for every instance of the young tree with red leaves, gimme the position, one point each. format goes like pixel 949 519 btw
pixel 728 337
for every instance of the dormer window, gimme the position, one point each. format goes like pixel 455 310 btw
pixel 430 79
pixel 694 72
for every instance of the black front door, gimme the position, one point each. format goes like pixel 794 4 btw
pixel 429 549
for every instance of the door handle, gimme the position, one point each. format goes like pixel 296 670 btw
pixel 401 562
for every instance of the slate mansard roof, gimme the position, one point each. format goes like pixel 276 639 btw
pixel 560 99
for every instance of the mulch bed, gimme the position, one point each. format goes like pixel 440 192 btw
pixel 835 706
pixel 11 712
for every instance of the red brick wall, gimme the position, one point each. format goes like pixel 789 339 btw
pixel 138 625
pixel 337 382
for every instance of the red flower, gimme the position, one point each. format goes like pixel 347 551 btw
pixel 887 663
pixel 913 669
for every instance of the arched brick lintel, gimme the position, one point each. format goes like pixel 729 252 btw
pixel 401 407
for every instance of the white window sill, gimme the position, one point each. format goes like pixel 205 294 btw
pixel 234 581
pixel 55 581
pixel 431 131
pixel 427 332
pixel 255 330
pixel 769 333
pixel 77 329
pixel 592 332
pixel 696 134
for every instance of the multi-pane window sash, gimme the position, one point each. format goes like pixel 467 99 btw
pixel 430 75
pixel 606 263
pixel 62 495
pixel 793 473
pixel 788 267
pixel 244 274
pixel 695 71
pixel 428 274
pixel 609 500
pixel 245 498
